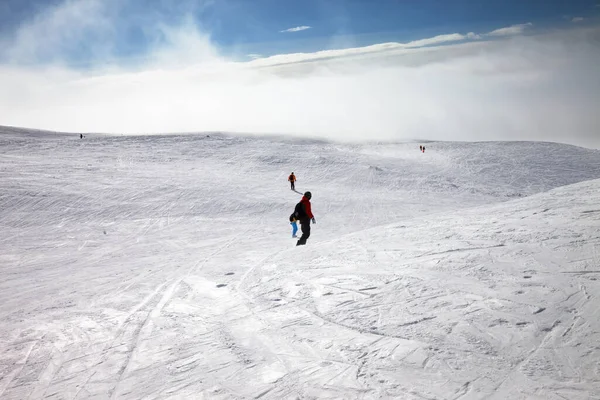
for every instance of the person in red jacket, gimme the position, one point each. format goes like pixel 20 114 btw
pixel 303 213
pixel 292 180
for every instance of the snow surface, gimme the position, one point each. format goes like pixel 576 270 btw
pixel 163 267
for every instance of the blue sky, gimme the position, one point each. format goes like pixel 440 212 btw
pixel 241 27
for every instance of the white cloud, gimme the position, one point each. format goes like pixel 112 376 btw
pixel 183 45
pixel 254 56
pixel 296 29
pixel 577 19
pixel 453 37
pixel 511 30
pixel 392 48
pixel 60 28
pixel 451 87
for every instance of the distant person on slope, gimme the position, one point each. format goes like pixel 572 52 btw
pixel 292 180
pixel 304 214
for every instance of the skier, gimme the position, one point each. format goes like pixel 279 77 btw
pixel 81 136
pixel 421 148
pixel 292 180
pixel 304 214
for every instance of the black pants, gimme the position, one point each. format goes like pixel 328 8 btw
pixel 293 185
pixel 305 226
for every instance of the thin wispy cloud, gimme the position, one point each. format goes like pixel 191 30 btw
pixel 577 19
pixel 450 87
pixel 511 30
pixel 441 39
pixel 61 29
pixel 391 48
pixel 296 29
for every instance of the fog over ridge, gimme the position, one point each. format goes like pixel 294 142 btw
pixel 513 83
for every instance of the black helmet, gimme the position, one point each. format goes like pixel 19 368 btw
pixel 308 195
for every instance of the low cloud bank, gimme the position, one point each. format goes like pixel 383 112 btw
pixel 500 85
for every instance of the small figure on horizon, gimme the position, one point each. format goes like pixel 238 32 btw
pixel 81 136
pixel 292 180
pixel 421 148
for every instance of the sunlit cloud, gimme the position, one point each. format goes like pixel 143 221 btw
pixel 296 29
pixel 459 86
pixel 59 30
pixel 368 51
pixel 511 30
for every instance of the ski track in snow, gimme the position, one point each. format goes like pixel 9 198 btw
pixel 162 267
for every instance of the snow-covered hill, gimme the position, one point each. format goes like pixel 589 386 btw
pixel 162 267
pixel 493 302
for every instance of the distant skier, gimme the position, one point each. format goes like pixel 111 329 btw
pixel 423 149
pixel 293 223
pixel 420 148
pixel 304 214
pixel 292 180
pixel 81 136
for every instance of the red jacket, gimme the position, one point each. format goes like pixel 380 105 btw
pixel 306 203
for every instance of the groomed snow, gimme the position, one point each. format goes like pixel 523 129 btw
pixel 162 267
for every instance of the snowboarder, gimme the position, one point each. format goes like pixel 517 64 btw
pixel 292 180
pixel 304 214
pixel 294 224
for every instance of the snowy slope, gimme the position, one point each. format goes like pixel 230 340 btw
pixel 162 267
pixel 494 302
